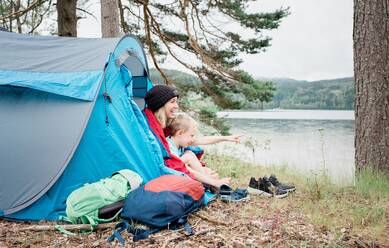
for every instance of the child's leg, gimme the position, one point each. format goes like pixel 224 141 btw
pixel 207 179
pixel 211 172
pixel 191 159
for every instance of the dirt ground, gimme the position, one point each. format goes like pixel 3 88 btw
pixel 258 222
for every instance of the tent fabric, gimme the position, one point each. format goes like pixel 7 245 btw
pixel 80 85
pixel 64 65
pixel 38 130
pixel 57 134
pixel 53 54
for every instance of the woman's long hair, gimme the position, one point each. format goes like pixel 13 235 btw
pixel 160 114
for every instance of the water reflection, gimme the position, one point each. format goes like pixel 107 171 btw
pixel 304 145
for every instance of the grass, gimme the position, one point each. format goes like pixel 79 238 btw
pixel 318 214
pixel 372 184
pixel 359 210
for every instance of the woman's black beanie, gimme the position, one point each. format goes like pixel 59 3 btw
pixel 159 95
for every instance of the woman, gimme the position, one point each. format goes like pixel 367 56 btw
pixel 162 106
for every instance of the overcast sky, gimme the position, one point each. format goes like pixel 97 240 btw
pixel 314 42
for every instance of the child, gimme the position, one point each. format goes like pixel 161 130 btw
pixel 183 130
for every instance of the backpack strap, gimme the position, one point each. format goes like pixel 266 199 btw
pixel 187 228
pixel 102 220
pixel 119 228
pixel 85 220
pixel 138 233
pixel 183 222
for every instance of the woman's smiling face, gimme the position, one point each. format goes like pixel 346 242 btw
pixel 171 108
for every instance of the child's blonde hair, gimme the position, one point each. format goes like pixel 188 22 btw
pixel 181 122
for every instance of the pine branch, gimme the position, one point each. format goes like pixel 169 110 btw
pixel 148 38
pixel 194 44
pixel 87 12
pixel 41 17
pixel 162 36
pixel 19 13
pixel 123 23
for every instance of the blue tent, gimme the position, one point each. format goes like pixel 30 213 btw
pixel 69 115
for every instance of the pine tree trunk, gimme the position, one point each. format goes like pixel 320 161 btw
pixel 109 18
pixel 371 73
pixel 67 17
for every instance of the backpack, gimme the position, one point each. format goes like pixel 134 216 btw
pixel 164 202
pixel 83 205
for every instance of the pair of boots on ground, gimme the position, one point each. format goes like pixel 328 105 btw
pixel 227 194
pixel 269 187
pixel 264 186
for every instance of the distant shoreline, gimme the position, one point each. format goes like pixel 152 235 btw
pixel 289 114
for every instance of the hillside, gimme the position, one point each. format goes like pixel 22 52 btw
pixel 179 77
pixel 290 94
pixel 324 94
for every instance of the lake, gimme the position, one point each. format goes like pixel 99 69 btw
pixel 310 141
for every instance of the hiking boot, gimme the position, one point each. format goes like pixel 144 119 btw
pixel 253 184
pixel 277 192
pixel 280 193
pixel 260 187
pixel 286 187
pixel 236 196
pixel 225 190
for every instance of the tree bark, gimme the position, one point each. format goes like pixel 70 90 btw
pixel 16 9
pixel 67 17
pixel 371 73
pixel 109 18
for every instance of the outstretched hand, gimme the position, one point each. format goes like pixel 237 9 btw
pixel 234 138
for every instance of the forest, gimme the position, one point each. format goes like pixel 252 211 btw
pixel 324 94
pixel 333 94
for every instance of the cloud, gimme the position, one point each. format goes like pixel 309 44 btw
pixel 313 42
